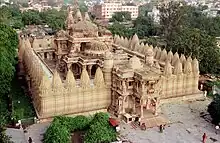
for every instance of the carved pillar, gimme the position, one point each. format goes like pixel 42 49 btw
pixel 123 105
pixel 120 102
pixel 42 55
pixel 134 106
pixel 142 109
pixel 148 103
pixel 123 87
pixel 58 61
pixel 50 56
pixel 157 102
pixel 69 66
pixel 89 70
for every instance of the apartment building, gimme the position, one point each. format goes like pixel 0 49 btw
pixel 106 10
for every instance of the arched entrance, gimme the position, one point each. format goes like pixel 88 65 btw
pixel 76 69
pixel 82 47
pixel 93 70
pixel 45 55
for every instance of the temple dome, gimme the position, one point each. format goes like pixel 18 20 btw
pixel 135 63
pixel 97 47
pixel 85 26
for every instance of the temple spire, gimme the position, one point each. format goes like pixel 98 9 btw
pixel 76 4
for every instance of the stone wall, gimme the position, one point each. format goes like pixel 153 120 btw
pixel 180 75
pixel 52 96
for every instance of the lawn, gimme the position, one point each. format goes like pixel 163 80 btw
pixel 22 107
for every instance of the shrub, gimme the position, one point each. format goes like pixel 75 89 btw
pixel 214 109
pixel 98 127
pixel 56 133
pixel 100 130
pixel 61 127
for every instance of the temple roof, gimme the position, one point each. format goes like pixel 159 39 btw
pixel 97 47
pixel 85 26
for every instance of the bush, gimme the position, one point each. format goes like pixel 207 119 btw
pixel 98 133
pixel 61 127
pixel 57 133
pixel 214 109
pixel 100 130
pixel 98 127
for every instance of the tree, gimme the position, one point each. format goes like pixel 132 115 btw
pixel 100 130
pixel 171 19
pixel 55 19
pixel 120 29
pixel 196 43
pixel 144 9
pixel 12 16
pixel 56 133
pixel 121 17
pixel 144 26
pixel 99 133
pixel 8 46
pixel 214 109
pixel 31 17
pixel 187 30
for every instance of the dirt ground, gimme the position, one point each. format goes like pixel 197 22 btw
pixel 186 126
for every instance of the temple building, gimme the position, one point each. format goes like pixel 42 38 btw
pixel 84 69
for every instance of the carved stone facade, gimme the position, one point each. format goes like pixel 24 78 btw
pixel 139 84
pixel 83 69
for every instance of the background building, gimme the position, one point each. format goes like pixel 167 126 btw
pixel 106 10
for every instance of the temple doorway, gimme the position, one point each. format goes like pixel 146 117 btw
pixel 45 55
pixel 93 70
pixel 76 70
pixel 82 47
pixel 129 104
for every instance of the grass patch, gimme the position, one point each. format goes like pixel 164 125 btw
pixel 22 107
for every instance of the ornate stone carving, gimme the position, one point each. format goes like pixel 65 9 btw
pixel 99 79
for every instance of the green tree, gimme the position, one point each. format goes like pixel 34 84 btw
pixel 8 46
pixel 171 19
pixel 11 15
pixel 121 17
pixel 200 45
pixel 55 19
pixel 83 8
pixel 120 29
pixel 31 17
pixel 144 9
pixel 99 133
pixel 214 109
pixel 57 133
pixel 100 130
pixel 144 26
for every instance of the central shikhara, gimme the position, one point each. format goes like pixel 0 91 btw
pixel 84 69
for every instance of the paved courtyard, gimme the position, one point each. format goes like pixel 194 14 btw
pixel 186 126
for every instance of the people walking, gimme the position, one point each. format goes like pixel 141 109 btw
pixel 204 137
pixel 30 140
pixel 161 128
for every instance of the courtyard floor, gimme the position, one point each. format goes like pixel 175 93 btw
pixel 186 126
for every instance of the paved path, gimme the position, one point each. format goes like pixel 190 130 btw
pixel 36 132
pixel 17 135
pixel 186 126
